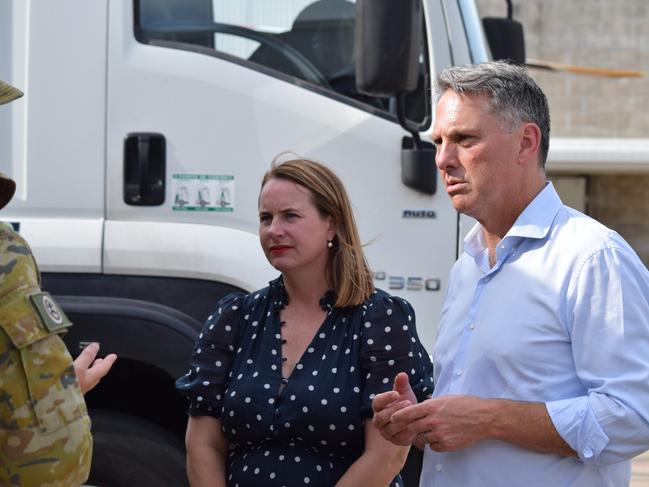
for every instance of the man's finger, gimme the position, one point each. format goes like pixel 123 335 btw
pixel 381 401
pixel 412 413
pixel 402 384
pixel 388 429
pixel 384 416
pixel 422 425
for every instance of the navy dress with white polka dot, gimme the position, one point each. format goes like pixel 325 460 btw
pixel 305 429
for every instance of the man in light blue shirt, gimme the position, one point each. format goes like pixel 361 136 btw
pixel 542 354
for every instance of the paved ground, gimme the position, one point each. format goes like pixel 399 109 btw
pixel 640 471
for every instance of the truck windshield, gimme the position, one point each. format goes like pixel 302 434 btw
pixel 306 42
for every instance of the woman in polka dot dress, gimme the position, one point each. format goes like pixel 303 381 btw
pixel 281 380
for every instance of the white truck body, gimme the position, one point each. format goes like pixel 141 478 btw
pixel 90 83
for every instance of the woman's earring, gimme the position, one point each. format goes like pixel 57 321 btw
pixel 330 244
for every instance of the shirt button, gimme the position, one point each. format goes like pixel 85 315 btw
pixel 459 372
pixel 472 326
pixel 439 467
pixel 487 279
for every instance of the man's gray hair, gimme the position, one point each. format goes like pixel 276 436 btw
pixel 514 97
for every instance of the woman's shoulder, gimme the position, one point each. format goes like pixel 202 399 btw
pixel 271 295
pixel 247 301
pixel 384 311
pixel 381 300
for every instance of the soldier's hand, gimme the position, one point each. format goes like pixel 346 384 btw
pixel 90 369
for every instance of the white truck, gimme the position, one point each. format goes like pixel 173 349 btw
pixel 138 152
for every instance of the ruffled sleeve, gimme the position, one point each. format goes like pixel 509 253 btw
pixel 390 345
pixel 212 357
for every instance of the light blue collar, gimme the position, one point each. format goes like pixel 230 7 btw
pixel 534 222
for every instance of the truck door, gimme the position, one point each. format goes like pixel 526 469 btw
pixel 223 86
pixel 52 139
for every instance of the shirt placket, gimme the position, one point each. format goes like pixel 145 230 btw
pixel 471 322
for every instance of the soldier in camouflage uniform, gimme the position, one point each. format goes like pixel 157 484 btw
pixel 44 426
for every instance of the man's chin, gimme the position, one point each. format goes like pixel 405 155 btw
pixel 459 203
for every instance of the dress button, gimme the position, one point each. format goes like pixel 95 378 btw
pixel 283 341
pixel 284 380
pixel 284 359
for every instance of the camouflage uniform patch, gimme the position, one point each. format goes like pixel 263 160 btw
pixel 44 426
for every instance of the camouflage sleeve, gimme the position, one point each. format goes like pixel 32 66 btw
pixel 44 427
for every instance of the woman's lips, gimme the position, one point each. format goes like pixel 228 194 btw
pixel 278 249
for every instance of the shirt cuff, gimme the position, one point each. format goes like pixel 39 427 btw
pixel 577 424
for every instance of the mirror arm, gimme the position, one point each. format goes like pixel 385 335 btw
pixel 401 116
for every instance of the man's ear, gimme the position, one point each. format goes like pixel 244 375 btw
pixel 530 142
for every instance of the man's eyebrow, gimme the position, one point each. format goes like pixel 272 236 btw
pixel 456 132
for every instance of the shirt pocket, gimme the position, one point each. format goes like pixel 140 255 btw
pixel 34 322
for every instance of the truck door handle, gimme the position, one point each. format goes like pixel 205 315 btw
pixel 144 169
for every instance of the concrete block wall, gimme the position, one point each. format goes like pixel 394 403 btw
pixel 598 33
pixel 621 202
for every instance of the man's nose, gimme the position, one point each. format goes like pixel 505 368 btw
pixel 446 156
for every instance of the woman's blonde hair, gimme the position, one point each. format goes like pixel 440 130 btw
pixel 347 271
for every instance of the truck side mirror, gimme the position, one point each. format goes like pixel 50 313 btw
pixel 386 49
pixel 386 46
pixel 505 37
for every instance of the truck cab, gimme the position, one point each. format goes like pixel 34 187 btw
pixel 138 152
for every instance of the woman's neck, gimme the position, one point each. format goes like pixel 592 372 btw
pixel 305 289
